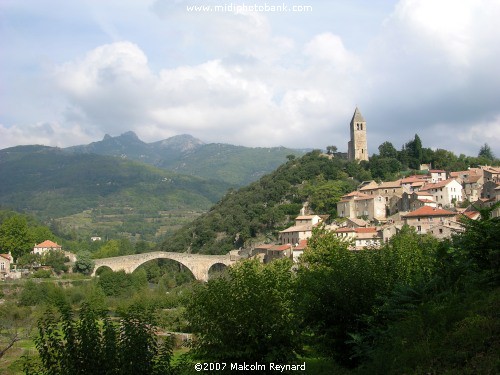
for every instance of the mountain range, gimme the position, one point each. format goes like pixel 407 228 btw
pixel 122 185
pixel 236 165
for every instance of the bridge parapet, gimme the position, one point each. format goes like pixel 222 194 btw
pixel 198 264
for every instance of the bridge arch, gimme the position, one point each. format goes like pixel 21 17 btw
pixel 198 264
pixel 102 268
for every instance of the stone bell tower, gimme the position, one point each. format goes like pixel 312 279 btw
pixel 357 148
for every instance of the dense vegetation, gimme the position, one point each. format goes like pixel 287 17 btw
pixel 389 162
pixel 428 306
pixel 255 213
pixel 414 306
pixel 258 211
pixel 98 195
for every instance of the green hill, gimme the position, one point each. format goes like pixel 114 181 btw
pixel 95 194
pixel 256 213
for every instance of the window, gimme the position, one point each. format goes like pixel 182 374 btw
pixel 440 230
pixel 419 228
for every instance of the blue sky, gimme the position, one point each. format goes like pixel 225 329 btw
pixel 72 71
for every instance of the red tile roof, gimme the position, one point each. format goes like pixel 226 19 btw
pixel 48 243
pixel 472 214
pixel 280 247
pixel 301 246
pixel 429 211
pixel 6 256
pixel 438 185
pixel 366 230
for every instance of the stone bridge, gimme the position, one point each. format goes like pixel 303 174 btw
pixel 198 264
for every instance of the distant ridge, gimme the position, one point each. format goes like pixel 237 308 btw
pixel 185 154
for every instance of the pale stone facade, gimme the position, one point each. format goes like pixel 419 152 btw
pixel 426 217
pixel 5 261
pixel 446 193
pixel 302 229
pixel 361 237
pixel 357 147
pixel 46 246
pixel 357 205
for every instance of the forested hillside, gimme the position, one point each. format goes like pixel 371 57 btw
pixel 185 154
pixel 258 211
pixel 97 193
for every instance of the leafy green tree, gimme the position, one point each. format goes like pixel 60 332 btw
pixel 485 152
pixel 384 168
pixel 15 236
pixel 92 344
pixel 480 242
pixel 29 260
pixel 115 283
pixel 247 314
pixel 84 263
pixel 41 233
pixel 387 150
pixel 56 260
pixel 339 286
pixel 330 150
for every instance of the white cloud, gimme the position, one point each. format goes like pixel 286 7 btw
pixel 255 78
pixel 253 102
pixel 53 134
pixel 330 49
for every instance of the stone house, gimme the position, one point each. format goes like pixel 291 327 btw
pixel 355 223
pixel 437 175
pixel 491 174
pixel 358 204
pixel 298 250
pixel 426 217
pixel 5 262
pixel 45 247
pixel 446 193
pixel 277 252
pixel 361 237
pixel 413 183
pixel 472 187
pixel 496 211
pixel 445 230
pixel 489 189
pixel 302 229
pixel 415 200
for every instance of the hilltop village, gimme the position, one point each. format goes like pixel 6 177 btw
pixel 431 201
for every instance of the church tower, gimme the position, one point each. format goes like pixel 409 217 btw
pixel 357 148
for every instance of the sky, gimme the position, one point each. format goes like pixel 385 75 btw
pixel 253 73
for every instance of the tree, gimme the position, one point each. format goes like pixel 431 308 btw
pixel 387 150
pixel 414 151
pixel 92 344
pixel 330 150
pixel 485 152
pixel 84 263
pixel 339 286
pixel 15 237
pixel 55 259
pixel 246 314
pixel 480 242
